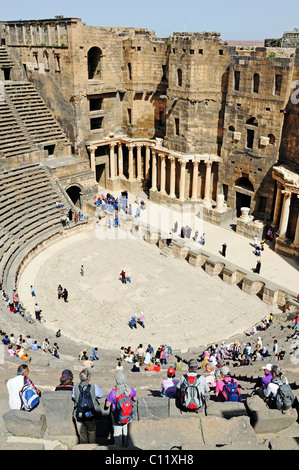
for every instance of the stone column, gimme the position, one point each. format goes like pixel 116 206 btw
pixel 131 162
pixel 182 179
pixel 112 163
pixel 172 177
pixel 208 182
pixel 139 176
pixel 194 180
pixel 120 160
pixel 163 173
pixel 277 205
pixel 296 238
pixel 284 219
pixel 147 161
pixel 154 171
pixel 92 151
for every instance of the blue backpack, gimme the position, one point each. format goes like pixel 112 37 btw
pixel 231 392
pixel 29 398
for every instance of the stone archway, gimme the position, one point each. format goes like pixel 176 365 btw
pixel 75 193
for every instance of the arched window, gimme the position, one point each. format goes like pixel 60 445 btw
pixel 179 77
pixel 94 63
pixel 271 139
pixel 231 128
pixel 256 83
pixel 252 121
pixel 244 183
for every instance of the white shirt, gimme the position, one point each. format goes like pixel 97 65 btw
pixel 14 386
pixel 272 388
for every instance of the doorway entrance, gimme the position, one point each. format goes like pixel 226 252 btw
pixel 74 192
pixel 101 174
pixel 242 200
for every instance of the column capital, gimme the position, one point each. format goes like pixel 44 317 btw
pixel 92 148
pixel 112 145
pixel 208 163
pixel 183 163
pixel 287 194
pixel 171 158
pixel 195 162
pixel 162 156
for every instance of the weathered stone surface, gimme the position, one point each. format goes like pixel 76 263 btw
pixel 58 410
pixel 152 408
pixel 265 420
pixel 219 432
pixel 226 410
pixel 21 423
pixel 164 434
pixel 21 446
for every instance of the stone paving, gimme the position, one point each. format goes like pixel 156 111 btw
pixel 183 305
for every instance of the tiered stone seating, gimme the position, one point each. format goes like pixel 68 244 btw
pixel 13 140
pixel 31 109
pixel 29 215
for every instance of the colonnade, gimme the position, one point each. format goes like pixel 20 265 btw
pixel 159 158
pixel 113 173
pixel 155 164
pixel 282 212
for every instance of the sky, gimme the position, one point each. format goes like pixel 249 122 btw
pixel 233 19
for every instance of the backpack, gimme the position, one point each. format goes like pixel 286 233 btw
pixel 231 392
pixel 284 397
pixel 124 409
pixel 85 407
pixel 191 397
pixel 28 396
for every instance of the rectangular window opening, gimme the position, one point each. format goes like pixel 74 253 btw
pixel 177 126
pixel 96 123
pixel 237 80
pixel 95 104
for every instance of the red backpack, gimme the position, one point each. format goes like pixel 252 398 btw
pixel 124 409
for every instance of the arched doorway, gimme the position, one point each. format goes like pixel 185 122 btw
pixel 75 192
pixel 244 192
pixel 94 58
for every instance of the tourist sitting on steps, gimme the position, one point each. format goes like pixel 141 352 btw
pixel 278 394
pixel 227 388
pixel 192 391
pixel 169 385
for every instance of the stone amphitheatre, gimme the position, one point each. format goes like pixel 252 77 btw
pixel 205 133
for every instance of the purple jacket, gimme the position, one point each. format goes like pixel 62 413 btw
pixel 266 379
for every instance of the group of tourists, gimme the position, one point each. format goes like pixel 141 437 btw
pixel 114 205
pixel 24 395
pixel 20 346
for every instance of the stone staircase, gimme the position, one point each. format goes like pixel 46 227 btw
pixel 167 250
pixel 5 58
pixel 26 123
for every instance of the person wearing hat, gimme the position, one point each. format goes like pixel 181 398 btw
pixel 263 382
pixel 225 378
pixel 169 385
pixel 122 391
pixel 66 381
